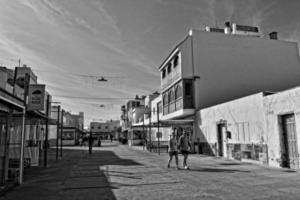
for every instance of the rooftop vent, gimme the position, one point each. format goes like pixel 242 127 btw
pixel 273 35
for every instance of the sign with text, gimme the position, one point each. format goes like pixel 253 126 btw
pixel 36 97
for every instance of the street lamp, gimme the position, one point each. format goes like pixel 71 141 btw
pixel 102 79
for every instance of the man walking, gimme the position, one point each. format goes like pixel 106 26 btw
pixel 173 148
pixel 90 141
pixel 184 146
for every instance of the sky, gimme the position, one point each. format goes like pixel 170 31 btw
pixel 70 44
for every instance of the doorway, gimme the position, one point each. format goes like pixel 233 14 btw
pixel 289 149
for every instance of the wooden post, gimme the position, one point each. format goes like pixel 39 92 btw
pixel 26 86
pixel 47 131
pixel 150 142
pixel 144 137
pixel 61 131
pixel 157 110
pixel 57 131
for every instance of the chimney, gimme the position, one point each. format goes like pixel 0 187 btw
pixel 273 36
pixel 227 29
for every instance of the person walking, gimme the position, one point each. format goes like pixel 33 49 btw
pixel 90 141
pixel 173 148
pixel 99 142
pixel 184 146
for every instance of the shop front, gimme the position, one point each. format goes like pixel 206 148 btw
pixel 12 119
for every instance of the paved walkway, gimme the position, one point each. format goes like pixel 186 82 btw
pixel 120 172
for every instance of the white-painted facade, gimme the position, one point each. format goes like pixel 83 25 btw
pixel 253 129
pixel 210 68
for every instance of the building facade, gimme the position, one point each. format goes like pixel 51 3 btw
pixel 104 130
pixel 73 128
pixel 211 67
pixel 262 128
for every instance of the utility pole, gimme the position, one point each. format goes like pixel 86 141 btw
pixel 61 131
pixel 26 86
pixel 47 131
pixel 158 135
pixel 150 142
pixel 144 137
pixel 57 130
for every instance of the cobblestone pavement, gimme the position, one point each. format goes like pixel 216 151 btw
pixel 120 172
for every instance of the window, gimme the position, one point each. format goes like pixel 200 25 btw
pixel 106 127
pixel 153 111
pixel 163 73
pixel 175 62
pixel 171 96
pixel 99 127
pixel 188 89
pixel 178 92
pixel 165 99
pixel 169 68
pixel 92 127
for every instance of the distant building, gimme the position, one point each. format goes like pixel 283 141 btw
pixel 106 129
pixel 130 113
pixel 73 128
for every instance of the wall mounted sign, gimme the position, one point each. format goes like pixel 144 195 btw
pixel 36 97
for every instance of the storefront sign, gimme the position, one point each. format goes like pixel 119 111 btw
pixel 36 97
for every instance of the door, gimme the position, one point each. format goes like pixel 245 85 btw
pixel 290 154
pixel 220 128
pixel 3 151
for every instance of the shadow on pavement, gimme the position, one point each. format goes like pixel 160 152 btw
pixel 110 158
pixel 118 185
pixel 219 170
pixel 228 164
pixel 90 178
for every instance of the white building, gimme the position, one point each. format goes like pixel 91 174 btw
pixel 262 128
pixel 210 68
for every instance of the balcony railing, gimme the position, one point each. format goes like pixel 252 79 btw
pixel 173 106
pixel 166 109
pixel 179 103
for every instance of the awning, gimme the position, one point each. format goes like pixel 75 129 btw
pixel 7 99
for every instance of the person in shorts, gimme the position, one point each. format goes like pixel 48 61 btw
pixel 184 146
pixel 173 148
